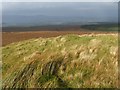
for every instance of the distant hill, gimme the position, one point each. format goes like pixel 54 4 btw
pixel 44 20
pixel 102 27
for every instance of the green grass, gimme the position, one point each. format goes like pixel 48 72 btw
pixel 69 61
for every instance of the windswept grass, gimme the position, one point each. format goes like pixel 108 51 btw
pixel 70 61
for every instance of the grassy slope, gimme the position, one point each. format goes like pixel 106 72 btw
pixel 65 61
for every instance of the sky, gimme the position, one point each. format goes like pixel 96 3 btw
pixel 40 13
pixel 60 0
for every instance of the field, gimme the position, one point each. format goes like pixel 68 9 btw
pixel 60 59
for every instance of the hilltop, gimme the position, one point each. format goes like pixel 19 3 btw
pixel 66 61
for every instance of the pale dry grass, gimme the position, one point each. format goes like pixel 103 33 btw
pixel 88 61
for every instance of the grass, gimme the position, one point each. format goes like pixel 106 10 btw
pixel 69 61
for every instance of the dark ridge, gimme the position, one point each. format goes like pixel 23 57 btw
pixel 100 26
pixel 42 28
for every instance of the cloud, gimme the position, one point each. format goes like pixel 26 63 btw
pixel 58 8
pixel 60 1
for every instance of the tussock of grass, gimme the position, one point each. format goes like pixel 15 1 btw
pixel 70 61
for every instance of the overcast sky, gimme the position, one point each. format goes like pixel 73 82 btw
pixel 55 10
pixel 60 0
pixel 59 8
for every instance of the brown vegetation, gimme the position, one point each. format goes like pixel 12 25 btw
pixel 10 37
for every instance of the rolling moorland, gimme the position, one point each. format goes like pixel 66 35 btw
pixel 15 34
pixel 63 61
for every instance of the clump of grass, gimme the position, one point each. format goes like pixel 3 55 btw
pixel 70 61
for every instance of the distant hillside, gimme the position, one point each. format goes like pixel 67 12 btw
pixel 102 27
pixel 70 61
